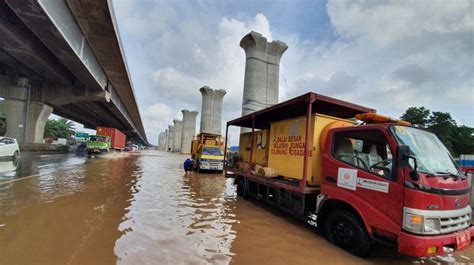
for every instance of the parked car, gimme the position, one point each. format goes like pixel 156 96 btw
pixel 9 147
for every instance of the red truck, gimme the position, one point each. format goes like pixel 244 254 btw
pixel 117 138
pixel 361 178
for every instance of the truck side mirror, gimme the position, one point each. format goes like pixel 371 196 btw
pixel 403 160
pixel 414 172
pixel 403 154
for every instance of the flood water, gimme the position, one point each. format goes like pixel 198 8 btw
pixel 141 209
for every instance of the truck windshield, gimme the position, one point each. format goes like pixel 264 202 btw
pixel 430 153
pixel 98 139
pixel 213 151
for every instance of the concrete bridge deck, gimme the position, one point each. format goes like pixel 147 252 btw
pixel 64 57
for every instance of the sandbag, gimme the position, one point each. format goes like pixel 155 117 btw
pixel 268 172
pixel 243 166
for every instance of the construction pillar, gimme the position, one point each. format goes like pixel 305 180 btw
pixel 211 110
pixel 188 130
pixel 177 135
pixel 262 70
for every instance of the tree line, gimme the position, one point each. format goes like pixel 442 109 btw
pixel 459 139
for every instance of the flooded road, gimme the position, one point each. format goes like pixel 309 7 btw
pixel 140 209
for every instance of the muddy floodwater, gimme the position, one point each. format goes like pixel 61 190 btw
pixel 141 209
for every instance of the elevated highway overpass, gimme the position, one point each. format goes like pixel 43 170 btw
pixel 64 57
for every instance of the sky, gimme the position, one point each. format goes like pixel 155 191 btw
pixel 387 55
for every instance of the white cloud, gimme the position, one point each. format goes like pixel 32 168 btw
pixel 385 22
pixel 390 55
pixel 175 85
pixel 157 117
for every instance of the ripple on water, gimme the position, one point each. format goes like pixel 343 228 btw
pixel 177 219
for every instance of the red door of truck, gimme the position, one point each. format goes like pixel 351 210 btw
pixel 358 169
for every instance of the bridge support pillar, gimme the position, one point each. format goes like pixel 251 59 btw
pixel 36 118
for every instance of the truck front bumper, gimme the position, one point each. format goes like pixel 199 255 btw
pixel 211 166
pixel 422 245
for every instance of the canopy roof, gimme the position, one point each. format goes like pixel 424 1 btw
pixel 298 107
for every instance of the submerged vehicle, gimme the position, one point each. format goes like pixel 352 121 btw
pixel 117 138
pixel 98 144
pixel 360 177
pixel 208 153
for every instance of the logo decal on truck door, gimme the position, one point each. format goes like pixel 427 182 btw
pixel 380 186
pixel 346 178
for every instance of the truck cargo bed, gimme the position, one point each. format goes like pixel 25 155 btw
pixel 280 192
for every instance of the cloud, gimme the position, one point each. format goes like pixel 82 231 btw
pixel 157 117
pixel 387 22
pixel 390 55
pixel 174 85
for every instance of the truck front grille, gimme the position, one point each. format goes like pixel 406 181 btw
pixel 214 163
pixel 452 224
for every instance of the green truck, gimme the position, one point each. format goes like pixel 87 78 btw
pixel 98 144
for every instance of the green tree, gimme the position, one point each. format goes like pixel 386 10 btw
pixel 458 139
pixel 463 140
pixel 443 125
pixel 417 116
pixel 60 128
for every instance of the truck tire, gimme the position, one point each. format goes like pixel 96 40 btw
pixel 240 188
pixel 15 154
pixel 345 230
pixel 243 192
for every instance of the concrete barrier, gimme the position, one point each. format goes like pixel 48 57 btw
pixel 37 147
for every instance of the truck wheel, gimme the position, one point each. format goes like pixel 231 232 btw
pixel 15 155
pixel 240 188
pixel 346 231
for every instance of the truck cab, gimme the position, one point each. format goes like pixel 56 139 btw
pixel 98 144
pixel 208 152
pixel 404 181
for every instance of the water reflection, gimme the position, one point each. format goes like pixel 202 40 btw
pixel 66 217
pixel 8 167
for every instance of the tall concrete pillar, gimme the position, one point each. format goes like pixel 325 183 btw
pixel 177 135
pixel 170 138
pixel 188 130
pixel 165 146
pixel 211 110
pixel 262 69
pixel 161 141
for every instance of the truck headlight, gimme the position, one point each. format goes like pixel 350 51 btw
pixel 413 222
pixel 432 225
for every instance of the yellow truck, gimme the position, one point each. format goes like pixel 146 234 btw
pixel 208 152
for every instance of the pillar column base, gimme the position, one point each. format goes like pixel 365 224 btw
pixel 37 117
